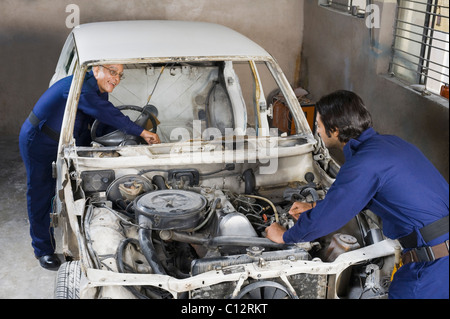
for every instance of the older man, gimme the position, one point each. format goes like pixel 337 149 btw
pixel 38 142
pixel 394 180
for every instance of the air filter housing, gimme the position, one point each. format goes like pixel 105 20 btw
pixel 171 209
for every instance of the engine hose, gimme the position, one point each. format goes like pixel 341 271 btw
pixel 312 192
pixel 220 241
pixel 120 249
pixel 145 241
pixel 211 212
pixel 243 242
pixel 269 202
pixel 249 180
pixel 121 268
pixel 120 264
pixel 159 181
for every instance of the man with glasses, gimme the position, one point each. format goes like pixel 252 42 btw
pixel 38 142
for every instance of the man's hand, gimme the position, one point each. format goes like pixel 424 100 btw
pixel 275 233
pixel 150 138
pixel 299 207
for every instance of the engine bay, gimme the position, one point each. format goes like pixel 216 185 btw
pixel 177 223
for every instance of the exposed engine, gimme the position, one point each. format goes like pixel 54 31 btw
pixel 175 226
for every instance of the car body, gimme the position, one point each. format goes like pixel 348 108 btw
pixel 186 218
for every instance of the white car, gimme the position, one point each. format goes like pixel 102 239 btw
pixel 186 218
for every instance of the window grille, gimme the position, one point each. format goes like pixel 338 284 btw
pixel 421 43
pixel 353 7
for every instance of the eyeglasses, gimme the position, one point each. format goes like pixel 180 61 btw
pixel 114 72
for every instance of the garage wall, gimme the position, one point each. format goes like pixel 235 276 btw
pixel 340 52
pixel 32 34
pixel 321 50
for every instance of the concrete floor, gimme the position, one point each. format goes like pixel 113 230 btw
pixel 21 276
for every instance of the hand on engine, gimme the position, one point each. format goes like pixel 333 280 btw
pixel 299 207
pixel 275 233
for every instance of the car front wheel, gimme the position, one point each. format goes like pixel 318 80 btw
pixel 68 281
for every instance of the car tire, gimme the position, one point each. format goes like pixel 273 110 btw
pixel 68 281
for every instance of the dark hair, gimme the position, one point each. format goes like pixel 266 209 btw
pixel 344 111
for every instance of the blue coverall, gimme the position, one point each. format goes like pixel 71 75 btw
pixel 394 180
pixel 38 150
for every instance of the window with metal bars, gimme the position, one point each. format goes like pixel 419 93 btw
pixel 353 7
pixel 421 44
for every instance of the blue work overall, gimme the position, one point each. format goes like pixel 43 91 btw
pixel 394 180
pixel 38 142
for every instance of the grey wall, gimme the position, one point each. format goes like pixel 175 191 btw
pixel 340 52
pixel 319 50
pixel 32 33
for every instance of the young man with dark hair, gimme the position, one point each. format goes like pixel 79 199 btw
pixel 394 180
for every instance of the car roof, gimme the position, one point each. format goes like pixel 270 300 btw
pixel 120 40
